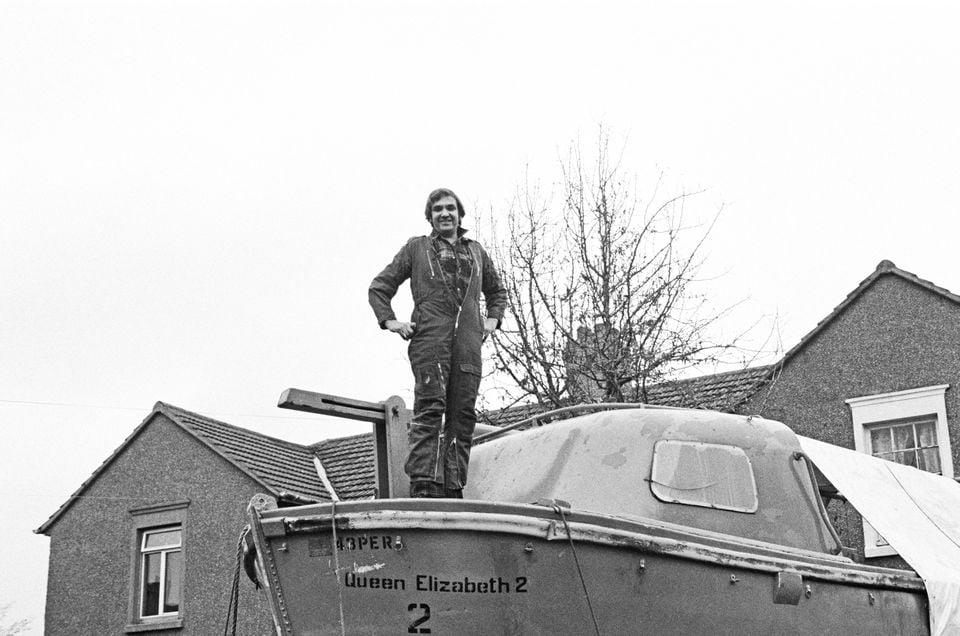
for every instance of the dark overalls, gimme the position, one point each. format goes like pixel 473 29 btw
pixel 446 282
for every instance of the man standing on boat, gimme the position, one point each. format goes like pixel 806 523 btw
pixel 447 272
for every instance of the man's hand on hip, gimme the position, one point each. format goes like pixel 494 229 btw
pixel 489 326
pixel 405 329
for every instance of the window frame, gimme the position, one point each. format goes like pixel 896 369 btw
pixel 164 551
pixel 143 522
pixel 889 409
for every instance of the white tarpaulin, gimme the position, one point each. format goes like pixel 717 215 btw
pixel 916 512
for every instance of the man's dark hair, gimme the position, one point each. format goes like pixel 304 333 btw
pixel 438 194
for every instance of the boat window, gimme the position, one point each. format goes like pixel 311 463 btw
pixel 708 475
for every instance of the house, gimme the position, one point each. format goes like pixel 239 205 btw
pixel 879 374
pixel 148 542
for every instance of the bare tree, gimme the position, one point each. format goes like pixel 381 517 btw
pixel 12 629
pixel 601 287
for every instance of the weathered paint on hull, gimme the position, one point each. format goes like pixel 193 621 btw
pixel 473 568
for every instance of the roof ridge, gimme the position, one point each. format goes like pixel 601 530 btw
pixel 887 267
pixel 165 407
pixel 317 445
pixel 733 386
pixel 272 476
pixel 762 367
pixel 884 267
pixel 244 448
pixel 75 495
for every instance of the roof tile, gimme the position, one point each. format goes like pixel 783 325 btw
pixel 284 465
pixel 718 392
pixel 349 464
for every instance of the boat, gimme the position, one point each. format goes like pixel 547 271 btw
pixel 636 520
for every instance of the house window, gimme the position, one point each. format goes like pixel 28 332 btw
pixel 161 570
pixel 906 427
pixel 158 546
pixel 910 443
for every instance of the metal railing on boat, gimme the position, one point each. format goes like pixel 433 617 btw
pixel 566 412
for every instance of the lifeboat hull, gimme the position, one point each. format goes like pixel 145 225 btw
pixel 471 567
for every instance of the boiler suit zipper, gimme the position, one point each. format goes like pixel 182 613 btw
pixel 439 466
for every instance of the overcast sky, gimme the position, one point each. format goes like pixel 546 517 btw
pixel 195 194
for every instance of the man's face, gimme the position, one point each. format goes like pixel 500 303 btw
pixel 445 216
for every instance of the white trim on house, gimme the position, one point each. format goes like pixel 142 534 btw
pixel 884 408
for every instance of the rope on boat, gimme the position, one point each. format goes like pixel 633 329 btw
pixel 230 625
pixel 576 560
pixel 336 566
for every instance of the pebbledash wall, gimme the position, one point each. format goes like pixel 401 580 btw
pixel 162 474
pixel 897 335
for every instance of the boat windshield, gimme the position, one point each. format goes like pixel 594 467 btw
pixel 700 474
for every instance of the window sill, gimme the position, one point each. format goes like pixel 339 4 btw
pixel 153 626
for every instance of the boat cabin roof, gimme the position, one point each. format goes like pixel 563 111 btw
pixel 733 474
